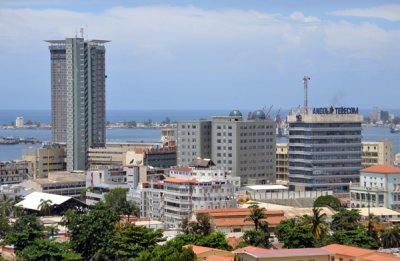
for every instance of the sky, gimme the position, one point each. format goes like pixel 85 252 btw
pixel 211 54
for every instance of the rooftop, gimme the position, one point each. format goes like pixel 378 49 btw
pixel 176 180
pixel 380 257
pixel 33 200
pixel 348 250
pixel 379 211
pixel 295 252
pixel 383 169
pixel 267 187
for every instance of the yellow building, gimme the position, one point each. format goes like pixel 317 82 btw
pixel 282 171
pixel 377 153
pixel 295 254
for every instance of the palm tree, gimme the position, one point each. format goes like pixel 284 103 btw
pixel 45 207
pixel 319 226
pixel 372 222
pixel 256 214
pixel 391 237
pixel 6 205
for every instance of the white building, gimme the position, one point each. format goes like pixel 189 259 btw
pixel 202 186
pixel 379 187
pixel 19 122
pixel 100 182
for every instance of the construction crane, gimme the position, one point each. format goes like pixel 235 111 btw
pixel 267 111
pixel 306 79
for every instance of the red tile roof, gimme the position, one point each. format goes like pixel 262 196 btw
pixel 380 257
pixel 234 241
pixel 200 249
pixel 176 180
pixel 384 169
pixel 348 250
pixel 248 248
pixel 295 252
pixel 183 169
pixel 219 258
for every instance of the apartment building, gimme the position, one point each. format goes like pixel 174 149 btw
pixel 13 172
pixel 245 148
pixel 379 187
pixel 282 163
pixel 377 153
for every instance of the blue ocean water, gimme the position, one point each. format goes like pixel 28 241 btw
pixel 12 152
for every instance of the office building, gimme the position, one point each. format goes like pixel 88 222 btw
pixel 78 97
pixel 282 164
pixel 194 141
pixel 377 153
pixel 48 158
pixel 245 148
pixel 324 149
pixel 379 187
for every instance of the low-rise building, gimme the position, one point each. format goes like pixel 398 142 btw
pixel 377 153
pixel 295 254
pixel 349 253
pixel 13 172
pixel 208 253
pixel 231 221
pixel 379 187
pixel 66 183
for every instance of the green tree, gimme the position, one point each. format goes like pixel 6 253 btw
pixel 319 226
pixel 372 222
pixel 358 238
pixel 116 200
pixel 214 240
pixel 46 250
pixel 90 231
pixel 25 230
pixel 201 226
pixel 346 220
pixel 128 241
pixel 328 201
pixel 391 237
pixel 171 251
pixel 256 215
pixel 45 207
pixel 295 232
pixel 5 227
pixel 6 205
pixel 258 238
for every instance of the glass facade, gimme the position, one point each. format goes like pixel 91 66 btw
pixel 324 154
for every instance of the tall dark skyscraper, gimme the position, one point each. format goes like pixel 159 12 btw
pixel 78 97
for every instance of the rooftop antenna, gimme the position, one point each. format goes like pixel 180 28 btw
pixel 306 79
pixel 82 32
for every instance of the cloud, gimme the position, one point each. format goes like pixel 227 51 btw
pixel 174 50
pixel 298 16
pixel 387 12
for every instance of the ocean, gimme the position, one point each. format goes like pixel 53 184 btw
pixel 12 152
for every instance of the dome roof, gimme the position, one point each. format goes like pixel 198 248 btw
pixel 258 115
pixel 235 113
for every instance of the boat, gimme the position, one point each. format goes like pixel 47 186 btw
pixel 394 130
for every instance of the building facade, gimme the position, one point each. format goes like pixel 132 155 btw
pixel 379 187
pixel 194 141
pixel 377 153
pixel 13 172
pixel 78 97
pixel 48 158
pixel 282 164
pixel 324 149
pixel 19 122
pixel 246 148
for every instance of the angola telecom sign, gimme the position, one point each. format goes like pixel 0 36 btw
pixel 337 110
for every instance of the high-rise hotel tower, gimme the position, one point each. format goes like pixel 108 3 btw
pixel 78 97
pixel 324 149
